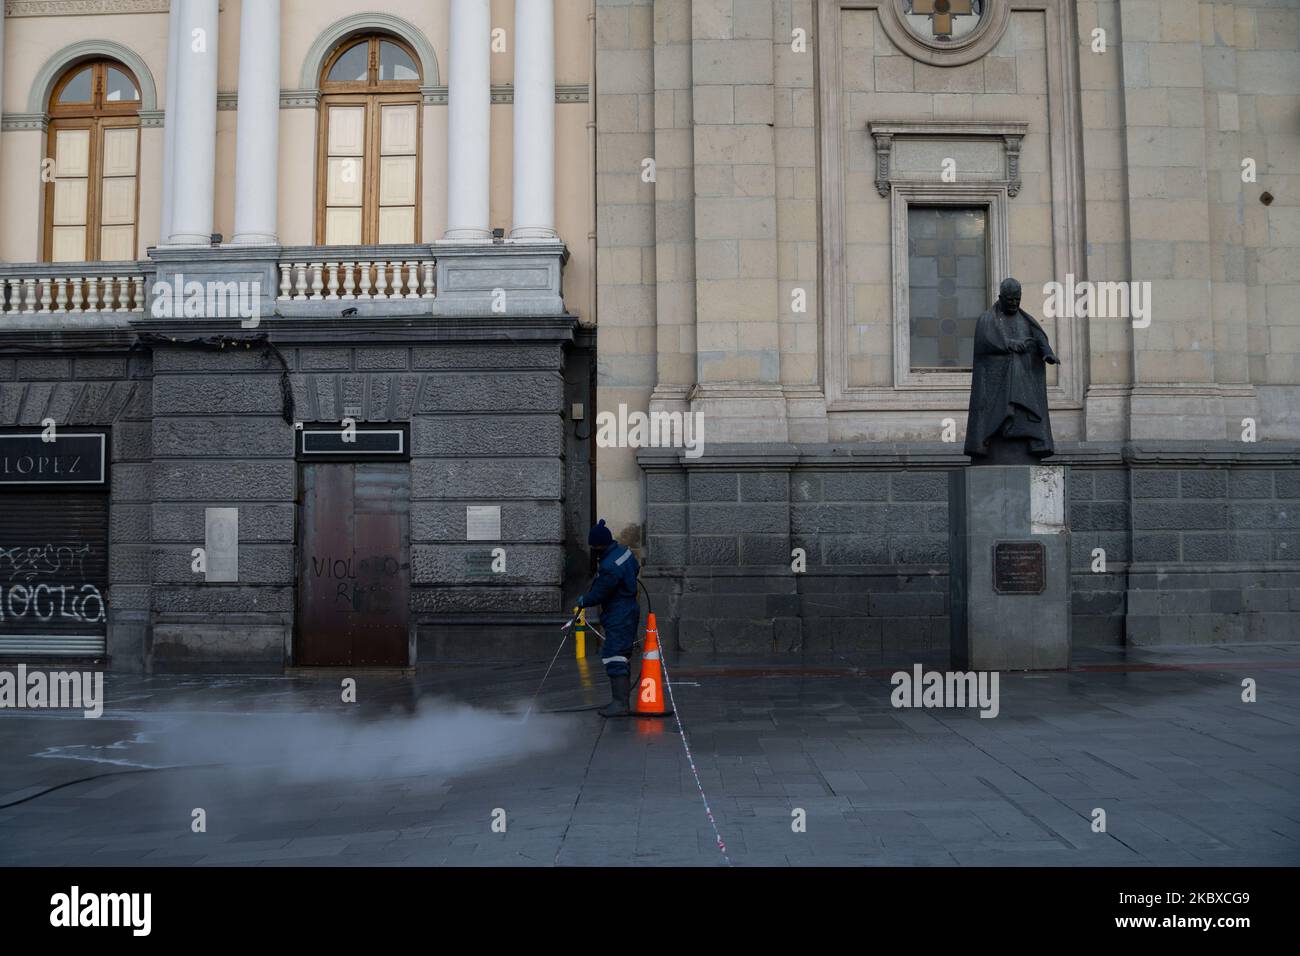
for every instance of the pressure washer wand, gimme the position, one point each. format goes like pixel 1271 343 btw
pixel 564 636
pixel 588 625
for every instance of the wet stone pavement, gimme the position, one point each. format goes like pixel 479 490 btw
pixel 419 769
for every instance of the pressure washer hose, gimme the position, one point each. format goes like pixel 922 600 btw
pixel 649 605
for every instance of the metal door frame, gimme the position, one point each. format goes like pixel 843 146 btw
pixel 293 651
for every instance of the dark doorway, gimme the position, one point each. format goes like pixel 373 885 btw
pixel 354 571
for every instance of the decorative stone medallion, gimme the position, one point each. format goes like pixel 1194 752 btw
pixel 945 32
pixel 942 21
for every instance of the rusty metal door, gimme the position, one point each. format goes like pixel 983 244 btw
pixel 354 571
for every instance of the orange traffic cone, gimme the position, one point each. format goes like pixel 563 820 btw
pixel 650 700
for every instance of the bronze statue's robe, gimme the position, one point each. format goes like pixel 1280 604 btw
pixel 1008 395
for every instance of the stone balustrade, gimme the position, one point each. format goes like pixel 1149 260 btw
pixel 331 278
pixel 499 280
pixel 72 288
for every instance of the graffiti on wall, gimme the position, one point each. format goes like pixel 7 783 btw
pixel 28 564
pixel 364 586
pixel 29 593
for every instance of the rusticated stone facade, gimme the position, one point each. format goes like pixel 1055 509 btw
pixel 764 279
pixel 202 414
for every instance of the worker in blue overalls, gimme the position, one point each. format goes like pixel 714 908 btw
pixel 614 590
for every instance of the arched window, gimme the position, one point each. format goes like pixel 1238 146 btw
pixel 91 196
pixel 369 175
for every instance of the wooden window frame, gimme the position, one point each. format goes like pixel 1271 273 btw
pixel 97 115
pixel 373 95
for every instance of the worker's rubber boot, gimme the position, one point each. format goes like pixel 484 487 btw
pixel 619 686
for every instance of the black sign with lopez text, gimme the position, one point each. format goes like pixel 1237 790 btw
pixel 62 459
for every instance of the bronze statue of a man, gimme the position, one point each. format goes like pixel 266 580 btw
pixel 1008 423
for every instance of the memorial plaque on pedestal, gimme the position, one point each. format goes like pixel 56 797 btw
pixel 1009 567
pixel 1019 567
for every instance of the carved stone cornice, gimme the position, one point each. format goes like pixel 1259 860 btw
pixel 17 122
pixel 505 93
pixel 290 99
pixel 433 96
pixel 572 93
pixel 1010 134
pixel 71 8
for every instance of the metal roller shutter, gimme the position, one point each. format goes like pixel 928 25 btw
pixel 53 574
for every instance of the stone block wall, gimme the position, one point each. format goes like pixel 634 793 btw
pixel 1215 555
pixel 1100 550
pixel 486 428
pixel 636 39
pixel 220 440
pixel 195 425
pixel 723 542
pixel 1169 545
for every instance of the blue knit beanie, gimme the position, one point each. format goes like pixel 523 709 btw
pixel 600 536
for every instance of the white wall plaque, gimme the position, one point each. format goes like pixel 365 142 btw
pixel 1047 499
pixel 221 541
pixel 483 523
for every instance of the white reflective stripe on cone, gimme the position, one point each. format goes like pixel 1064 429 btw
pixel 650 656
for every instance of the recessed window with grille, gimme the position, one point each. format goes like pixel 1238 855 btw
pixel 92 194
pixel 948 283
pixel 369 175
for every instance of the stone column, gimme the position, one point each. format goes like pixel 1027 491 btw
pixel 2 58
pixel 469 106
pixel 194 161
pixel 534 119
pixel 257 155
pixel 170 118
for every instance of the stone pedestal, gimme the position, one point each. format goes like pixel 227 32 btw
pixel 1009 567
